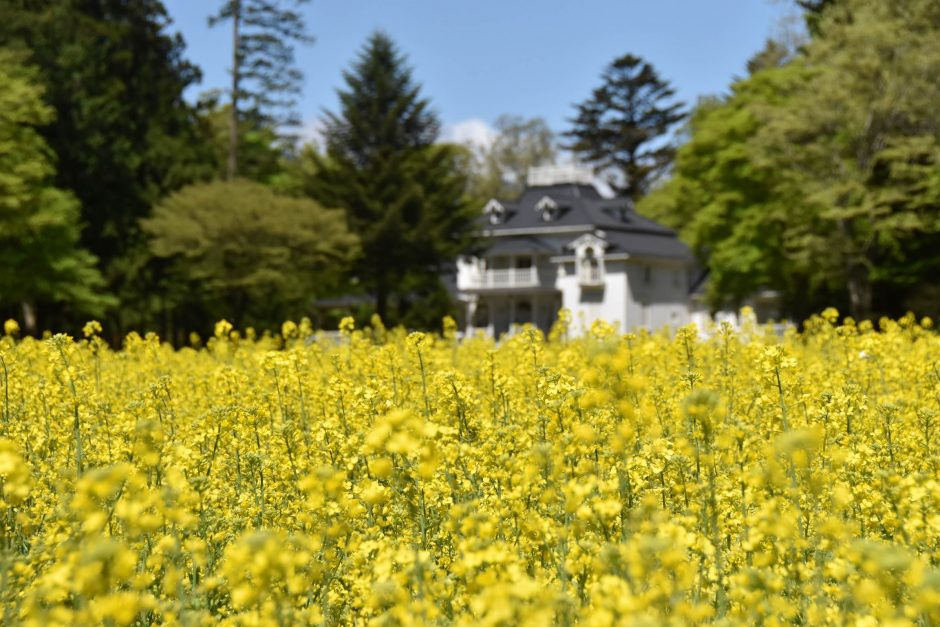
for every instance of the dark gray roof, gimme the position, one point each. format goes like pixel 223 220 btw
pixel 581 205
pixel 519 245
pixel 647 244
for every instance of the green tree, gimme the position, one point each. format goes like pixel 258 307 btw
pixel 42 260
pixel 861 141
pixel 239 250
pixel 725 195
pixel 403 194
pixel 620 128
pixel 265 80
pixel 261 152
pixel 499 170
pixel 122 133
pixel 823 177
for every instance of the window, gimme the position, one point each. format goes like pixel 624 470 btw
pixel 494 211
pixel 548 208
pixel 590 267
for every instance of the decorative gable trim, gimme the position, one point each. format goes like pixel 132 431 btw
pixel 546 203
pixel 495 211
pixel 589 240
pixel 548 208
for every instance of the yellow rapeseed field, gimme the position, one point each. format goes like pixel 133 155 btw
pixel 409 479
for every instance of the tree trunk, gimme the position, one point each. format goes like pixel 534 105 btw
pixel 381 298
pixel 858 283
pixel 236 70
pixel 29 317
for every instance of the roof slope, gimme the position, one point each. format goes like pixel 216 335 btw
pixel 582 207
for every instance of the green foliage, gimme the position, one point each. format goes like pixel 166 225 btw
pixel 122 134
pixel 620 127
pixel 237 248
pixel 261 153
pixel 499 170
pixel 725 196
pixel 822 178
pixel 403 194
pixel 268 82
pixel 265 80
pixel 40 256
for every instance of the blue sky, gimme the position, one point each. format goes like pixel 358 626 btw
pixel 477 59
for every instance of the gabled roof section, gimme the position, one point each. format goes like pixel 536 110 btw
pixel 580 205
pixel 589 240
pixel 581 209
pixel 546 203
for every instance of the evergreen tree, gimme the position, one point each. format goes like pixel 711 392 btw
pixel 620 127
pixel 122 133
pixel 41 260
pixel 265 81
pixel 403 194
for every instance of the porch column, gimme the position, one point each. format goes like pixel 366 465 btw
pixel 535 312
pixel 471 312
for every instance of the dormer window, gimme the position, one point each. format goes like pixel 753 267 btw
pixel 494 211
pixel 548 209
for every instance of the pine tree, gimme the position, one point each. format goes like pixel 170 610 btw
pixel 619 129
pixel 403 194
pixel 265 81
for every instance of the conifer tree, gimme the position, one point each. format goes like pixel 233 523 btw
pixel 265 81
pixel 619 128
pixel 402 193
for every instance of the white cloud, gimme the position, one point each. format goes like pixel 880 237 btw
pixel 473 131
pixel 311 132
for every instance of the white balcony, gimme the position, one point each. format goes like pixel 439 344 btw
pixel 504 278
pixel 591 275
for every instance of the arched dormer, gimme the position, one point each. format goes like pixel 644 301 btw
pixel 547 208
pixel 589 254
pixel 494 211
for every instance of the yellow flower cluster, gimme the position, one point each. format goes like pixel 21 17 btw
pixel 380 477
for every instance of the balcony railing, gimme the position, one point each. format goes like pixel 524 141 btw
pixel 591 275
pixel 505 277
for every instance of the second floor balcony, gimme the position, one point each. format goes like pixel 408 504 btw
pixel 504 278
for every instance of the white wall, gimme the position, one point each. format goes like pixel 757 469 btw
pixel 588 304
pixel 661 301
pixel 626 300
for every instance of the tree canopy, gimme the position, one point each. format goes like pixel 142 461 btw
pixel 499 170
pixel 40 254
pixel 237 248
pixel 265 79
pixel 620 128
pixel 822 177
pixel 404 195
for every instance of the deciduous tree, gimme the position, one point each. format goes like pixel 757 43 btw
pixel 239 250
pixel 41 260
pixel 499 169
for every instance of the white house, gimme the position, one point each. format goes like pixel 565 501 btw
pixel 562 244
